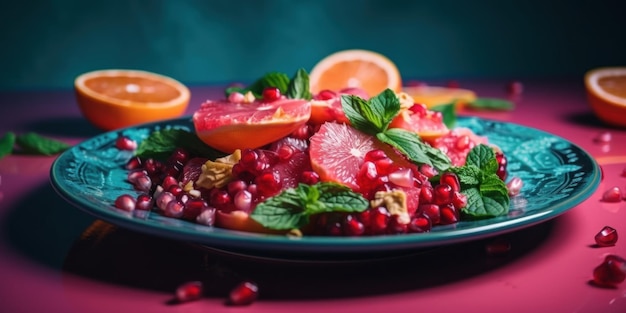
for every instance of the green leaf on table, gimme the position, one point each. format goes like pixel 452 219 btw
pixel 6 144
pixel 491 104
pixel 161 143
pixel 293 207
pixel 32 143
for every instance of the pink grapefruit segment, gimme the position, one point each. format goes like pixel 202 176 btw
pixel 229 126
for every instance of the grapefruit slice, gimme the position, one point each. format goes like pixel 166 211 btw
pixel 606 92
pixel 427 124
pixel 113 99
pixel 228 126
pixel 433 95
pixel 363 69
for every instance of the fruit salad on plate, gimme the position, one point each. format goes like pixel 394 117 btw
pixel 274 158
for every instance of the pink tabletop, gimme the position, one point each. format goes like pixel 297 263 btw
pixel 56 258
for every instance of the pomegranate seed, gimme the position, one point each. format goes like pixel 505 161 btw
pixel 352 226
pixel 144 202
pixel 219 197
pixel 624 172
pixel 498 247
pixel 176 190
pixel 603 137
pixel 443 194
pixel 450 179
pixel 428 170
pixel 449 214
pixel 385 166
pixel 502 165
pixel 402 177
pixel 134 175
pixel 134 163
pixel 235 186
pixel 334 229
pixel 286 152
pixel 193 208
pixel 125 143
pixel 419 109
pixel 396 226
pixel 143 183
pixel 463 142
pixel 420 224
pixel 325 95
pixel 189 291
pixel 236 97
pixel 169 181
pixel 125 202
pixel 612 195
pixel 243 201
pixel 152 166
pixel 310 177
pixel 430 210
pixel 269 183
pixel 610 272
pixel 174 209
pixel 243 294
pixel 271 94
pixel 426 194
pixel 303 132
pixel 606 237
pixel 206 217
pixel 459 200
pixel 514 88
pixel 163 199
pixel 379 219
pixel 514 186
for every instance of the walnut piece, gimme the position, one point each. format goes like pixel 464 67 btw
pixel 395 202
pixel 218 173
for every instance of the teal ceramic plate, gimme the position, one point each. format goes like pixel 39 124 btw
pixel 557 176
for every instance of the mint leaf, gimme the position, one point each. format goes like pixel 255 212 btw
pixel 484 158
pixel 160 144
pixel 372 116
pixel 298 87
pixel 412 146
pixel 273 79
pixel 33 143
pixel 449 113
pixel 485 203
pixel 293 207
pixel 6 144
pixel 491 104
pixel 469 175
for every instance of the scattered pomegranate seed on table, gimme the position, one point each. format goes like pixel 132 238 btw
pixel 243 294
pixel 515 88
pixel 603 137
pixel 613 194
pixel 610 272
pixel 189 291
pixel 606 237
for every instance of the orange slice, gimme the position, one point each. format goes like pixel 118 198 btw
pixel 606 92
pixel 368 70
pixel 112 99
pixel 432 95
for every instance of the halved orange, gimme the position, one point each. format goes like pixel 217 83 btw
pixel 606 92
pixel 364 69
pixel 434 95
pixel 117 98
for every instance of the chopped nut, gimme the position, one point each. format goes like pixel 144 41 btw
pixel 395 202
pixel 218 173
pixel 248 97
pixel 294 233
pixel 406 101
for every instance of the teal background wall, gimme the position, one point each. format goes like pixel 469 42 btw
pixel 46 44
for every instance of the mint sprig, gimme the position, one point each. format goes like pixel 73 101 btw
pixel 160 144
pixel 294 206
pixel 491 104
pixel 373 117
pixel 6 144
pixel 448 111
pixel 294 88
pixel 487 195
